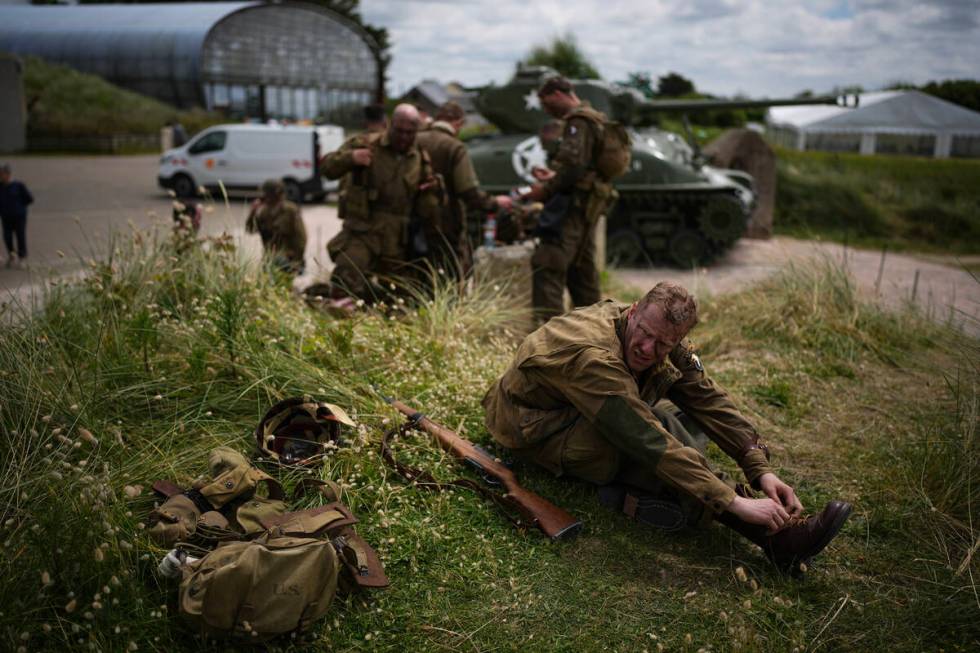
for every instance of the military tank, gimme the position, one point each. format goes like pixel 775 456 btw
pixel 672 206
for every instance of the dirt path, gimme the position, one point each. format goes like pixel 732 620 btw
pixel 941 290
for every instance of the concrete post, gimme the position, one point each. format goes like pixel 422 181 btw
pixel 868 142
pixel 600 244
pixel 944 143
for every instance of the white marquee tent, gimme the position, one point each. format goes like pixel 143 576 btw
pixel 886 122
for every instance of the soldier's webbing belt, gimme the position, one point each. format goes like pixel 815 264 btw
pixel 423 479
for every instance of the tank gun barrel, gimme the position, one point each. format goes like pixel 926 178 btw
pixel 654 106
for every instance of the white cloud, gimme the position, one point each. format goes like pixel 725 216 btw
pixel 758 47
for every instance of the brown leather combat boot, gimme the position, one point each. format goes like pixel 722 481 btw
pixel 798 541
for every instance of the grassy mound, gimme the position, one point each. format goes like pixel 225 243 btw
pixel 160 355
pixel 909 203
pixel 64 102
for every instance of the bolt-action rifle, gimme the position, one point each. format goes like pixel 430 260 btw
pixel 534 510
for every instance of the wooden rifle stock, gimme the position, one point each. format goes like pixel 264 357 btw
pixel 556 523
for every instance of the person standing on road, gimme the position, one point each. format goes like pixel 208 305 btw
pixel 574 198
pixel 14 199
pixel 280 225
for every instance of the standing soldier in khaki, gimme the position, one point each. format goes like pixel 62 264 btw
pixel 279 223
pixel 448 240
pixel 575 197
pixel 581 399
pixel 390 182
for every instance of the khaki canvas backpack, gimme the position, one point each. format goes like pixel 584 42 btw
pixel 615 151
pixel 273 571
pixel 282 581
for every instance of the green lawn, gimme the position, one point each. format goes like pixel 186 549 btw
pixel 163 355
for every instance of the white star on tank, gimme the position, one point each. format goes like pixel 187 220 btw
pixel 531 101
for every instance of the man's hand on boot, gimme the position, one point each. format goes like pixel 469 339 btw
pixel 781 493
pixel 762 512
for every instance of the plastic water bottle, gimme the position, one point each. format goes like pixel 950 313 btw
pixel 170 566
pixel 490 232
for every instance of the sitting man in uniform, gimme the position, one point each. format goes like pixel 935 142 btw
pixel 279 223
pixel 388 191
pixel 581 399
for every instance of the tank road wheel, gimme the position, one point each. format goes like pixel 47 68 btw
pixel 722 220
pixel 687 248
pixel 624 249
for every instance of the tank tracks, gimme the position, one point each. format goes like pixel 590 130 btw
pixel 682 228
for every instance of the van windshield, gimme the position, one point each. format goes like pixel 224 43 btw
pixel 210 142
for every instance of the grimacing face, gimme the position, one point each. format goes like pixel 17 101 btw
pixel 402 132
pixel 649 337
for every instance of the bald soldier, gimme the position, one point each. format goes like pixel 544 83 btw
pixel 575 196
pixel 390 181
pixel 585 397
pixel 451 159
pixel 279 223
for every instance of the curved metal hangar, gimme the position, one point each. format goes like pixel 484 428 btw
pixel 249 58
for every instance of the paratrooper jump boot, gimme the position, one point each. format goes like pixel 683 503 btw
pixel 798 541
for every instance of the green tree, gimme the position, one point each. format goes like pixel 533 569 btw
pixel 964 92
pixel 642 82
pixel 674 85
pixel 564 55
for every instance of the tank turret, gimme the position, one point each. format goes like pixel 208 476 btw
pixel 672 206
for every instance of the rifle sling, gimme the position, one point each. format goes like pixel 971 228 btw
pixel 423 479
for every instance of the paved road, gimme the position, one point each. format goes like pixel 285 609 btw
pixel 79 199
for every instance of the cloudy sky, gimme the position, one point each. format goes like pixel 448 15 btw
pixel 756 47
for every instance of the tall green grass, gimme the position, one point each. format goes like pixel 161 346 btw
pixel 161 352
pixel 64 102
pixel 906 202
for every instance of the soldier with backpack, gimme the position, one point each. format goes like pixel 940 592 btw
pixel 592 153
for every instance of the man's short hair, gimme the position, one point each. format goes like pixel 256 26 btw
pixel 678 304
pixel 450 112
pixel 556 83
pixel 374 113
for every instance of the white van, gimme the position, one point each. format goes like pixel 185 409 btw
pixel 241 157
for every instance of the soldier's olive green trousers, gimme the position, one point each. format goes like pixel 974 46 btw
pixel 582 452
pixel 363 249
pixel 567 261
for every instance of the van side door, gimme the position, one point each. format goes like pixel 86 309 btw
pixel 207 157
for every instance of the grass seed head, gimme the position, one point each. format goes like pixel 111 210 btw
pixel 87 436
